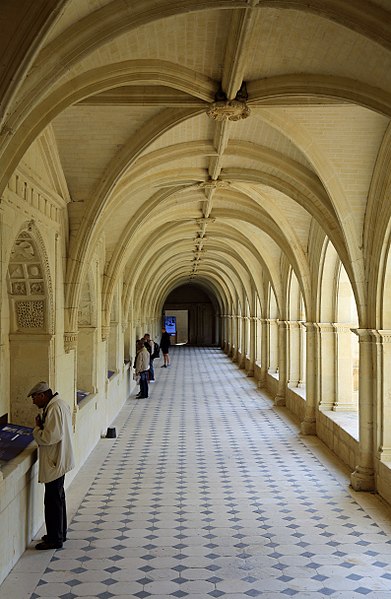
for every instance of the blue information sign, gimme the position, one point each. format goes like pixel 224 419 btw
pixel 13 439
pixel 170 324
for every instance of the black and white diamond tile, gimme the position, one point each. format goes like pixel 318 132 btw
pixel 207 492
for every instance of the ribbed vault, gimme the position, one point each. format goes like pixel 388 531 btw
pixel 175 189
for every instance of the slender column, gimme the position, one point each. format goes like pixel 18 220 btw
pixel 235 348
pixel 243 341
pixel 231 334
pixel 302 356
pixel 273 345
pixel 279 399
pixel 264 352
pixel 293 352
pixel 326 364
pixel 383 395
pixel 344 376
pixel 363 479
pixel 258 340
pixel 308 425
pixel 252 341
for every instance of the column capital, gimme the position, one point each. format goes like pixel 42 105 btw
pixel 293 324
pixel 382 336
pixel 70 340
pixel 343 327
pixel 325 327
pixel 364 335
pixel 105 333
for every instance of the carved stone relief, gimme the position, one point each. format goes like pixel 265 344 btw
pixel 26 286
pixel 30 314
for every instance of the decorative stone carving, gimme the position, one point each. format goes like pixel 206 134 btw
pixel 70 341
pixel 228 110
pixel 23 249
pixel 30 314
pixel 105 333
pixel 37 288
pixel 19 288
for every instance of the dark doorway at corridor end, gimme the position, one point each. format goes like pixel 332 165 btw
pixel 202 310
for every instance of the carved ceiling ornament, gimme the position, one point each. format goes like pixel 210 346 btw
pixel 225 109
pixel 228 110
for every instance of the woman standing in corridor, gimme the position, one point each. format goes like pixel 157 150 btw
pixel 165 343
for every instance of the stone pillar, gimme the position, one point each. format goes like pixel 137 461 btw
pixel 383 395
pixel 363 477
pixel 243 340
pixel 279 399
pixel 344 401
pixel 293 352
pixel 264 352
pixel 308 425
pixel 273 344
pixel 230 335
pixel 235 338
pixel 326 364
pixel 302 353
pixel 253 341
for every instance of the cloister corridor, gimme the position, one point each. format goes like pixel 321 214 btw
pixel 209 490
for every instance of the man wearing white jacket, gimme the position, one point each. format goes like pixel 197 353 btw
pixel 53 434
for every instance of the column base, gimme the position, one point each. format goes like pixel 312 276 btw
pixel 279 400
pixel 250 372
pixel 363 479
pixel 261 383
pixel 308 427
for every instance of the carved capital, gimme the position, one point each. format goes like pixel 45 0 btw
pixel 70 341
pixel 105 333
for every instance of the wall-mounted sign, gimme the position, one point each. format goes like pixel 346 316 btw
pixel 170 324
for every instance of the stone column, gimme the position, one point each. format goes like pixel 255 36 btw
pixel 383 395
pixel 302 352
pixel 293 352
pixel 344 377
pixel 363 477
pixel 235 339
pixel 279 399
pixel 264 352
pixel 230 334
pixel 273 344
pixel 308 425
pixel 326 364
pixel 253 341
pixel 243 341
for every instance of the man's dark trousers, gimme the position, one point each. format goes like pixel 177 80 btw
pixel 55 511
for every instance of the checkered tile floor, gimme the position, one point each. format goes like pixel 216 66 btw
pixel 209 491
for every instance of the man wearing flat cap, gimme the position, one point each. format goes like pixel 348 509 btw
pixel 53 434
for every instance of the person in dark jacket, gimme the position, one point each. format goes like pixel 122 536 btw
pixel 165 343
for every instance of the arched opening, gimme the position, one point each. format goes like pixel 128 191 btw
pixel 196 310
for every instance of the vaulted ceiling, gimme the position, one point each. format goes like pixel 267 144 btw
pixel 204 140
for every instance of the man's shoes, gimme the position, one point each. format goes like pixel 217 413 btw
pixel 164 366
pixel 152 380
pixel 45 539
pixel 139 396
pixel 44 546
